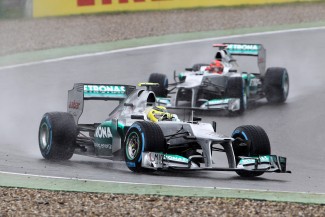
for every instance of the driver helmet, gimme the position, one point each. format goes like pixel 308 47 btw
pixel 160 113
pixel 216 67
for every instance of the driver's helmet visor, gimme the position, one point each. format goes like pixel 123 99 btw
pixel 161 116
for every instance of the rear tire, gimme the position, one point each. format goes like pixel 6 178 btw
pixel 162 80
pixel 236 88
pixel 57 136
pixel 276 85
pixel 142 137
pixel 250 141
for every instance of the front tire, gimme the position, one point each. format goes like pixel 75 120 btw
pixel 57 136
pixel 276 85
pixel 142 137
pixel 250 141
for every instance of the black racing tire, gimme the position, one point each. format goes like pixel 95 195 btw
pixel 142 137
pixel 57 136
pixel 236 88
pixel 162 80
pixel 183 95
pixel 196 67
pixel 276 85
pixel 256 142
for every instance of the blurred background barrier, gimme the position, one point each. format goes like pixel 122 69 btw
pixel 46 8
pixel 69 7
pixel 16 8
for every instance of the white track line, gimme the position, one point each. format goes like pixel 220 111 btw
pixel 158 45
pixel 152 184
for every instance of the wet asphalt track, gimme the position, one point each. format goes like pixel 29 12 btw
pixel 296 128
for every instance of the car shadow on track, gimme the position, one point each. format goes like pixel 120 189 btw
pixel 103 167
pixel 212 176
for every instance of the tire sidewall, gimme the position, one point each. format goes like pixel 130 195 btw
pixel 135 162
pixel 162 80
pixel 243 99
pixel 285 84
pixel 252 149
pixel 276 85
pixel 45 149
pixel 59 131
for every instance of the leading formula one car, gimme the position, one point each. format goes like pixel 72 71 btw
pixel 147 144
pixel 231 88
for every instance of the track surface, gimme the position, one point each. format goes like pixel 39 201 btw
pixel 296 129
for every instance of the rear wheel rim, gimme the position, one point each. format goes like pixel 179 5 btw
pixel 244 100
pixel 44 136
pixel 285 86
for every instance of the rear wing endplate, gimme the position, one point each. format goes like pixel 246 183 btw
pixel 81 92
pixel 241 49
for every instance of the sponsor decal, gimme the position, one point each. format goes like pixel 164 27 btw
pixel 264 158
pixel 249 49
pixel 163 101
pixel 109 2
pixel 155 157
pixel 261 60
pixel 106 2
pixel 218 101
pixel 74 105
pixel 103 132
pixel 43 8
pixel 255 82
pixel 103 141
pixel 85 2
pixel 247 161
pixel 104 91
pixel 253 160
pixel 103 146
pixel 243 47
pixel 175 158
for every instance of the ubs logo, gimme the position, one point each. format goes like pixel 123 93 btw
pixel 74 105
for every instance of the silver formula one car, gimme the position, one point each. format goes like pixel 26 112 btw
pixel 165 144
pixel 230 89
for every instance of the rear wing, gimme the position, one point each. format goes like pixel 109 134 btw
pixel 240 49
pixel 81 92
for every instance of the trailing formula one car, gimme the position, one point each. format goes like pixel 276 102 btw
pixel 222 84
pixel 149 138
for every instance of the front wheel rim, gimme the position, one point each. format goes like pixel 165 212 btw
pixel 132 146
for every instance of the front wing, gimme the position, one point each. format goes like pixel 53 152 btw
pixel 264 163
pixel 232 104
